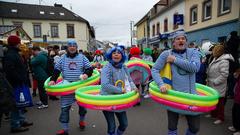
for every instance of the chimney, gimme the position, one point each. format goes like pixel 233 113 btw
pixel 58 5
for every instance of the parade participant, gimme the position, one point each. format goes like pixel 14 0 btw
pixel 98 56
pixel 114 71
pixel 147 52
pixel 185 63
pixel 73 66
pixel 236 106
pixel 217 74
pixel 17 76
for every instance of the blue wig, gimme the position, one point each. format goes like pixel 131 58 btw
pixel 109 56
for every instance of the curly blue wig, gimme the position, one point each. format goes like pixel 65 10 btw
pixel 109 56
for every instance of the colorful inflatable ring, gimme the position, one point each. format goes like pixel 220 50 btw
pixel 65 89
pixel 89 97
pixel 138 64
pixel 190 104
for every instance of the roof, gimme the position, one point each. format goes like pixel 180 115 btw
pixel 145 17
pixel 7 29
pixel 39 12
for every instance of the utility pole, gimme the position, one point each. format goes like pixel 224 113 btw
pixel 131 31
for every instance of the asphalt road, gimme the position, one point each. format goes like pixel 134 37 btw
pixel 147 119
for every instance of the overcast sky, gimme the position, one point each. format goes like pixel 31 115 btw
pixel 110 18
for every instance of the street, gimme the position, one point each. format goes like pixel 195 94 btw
pixel 147 119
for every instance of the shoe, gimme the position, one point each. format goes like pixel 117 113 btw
pixel 218 122
pixel 82 125
pixel 43 106
pixel 231 128
pixel 38 103
pixel 26 124
pixel 208 116
pixel 147 96
pixel 236 133
pixel 34 94
pixel 7 118
pixel 18 130
pixel 62 132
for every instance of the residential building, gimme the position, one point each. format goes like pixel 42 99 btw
pixel 143 31
pixel 53 25
pixel 164 21
pixel 211 20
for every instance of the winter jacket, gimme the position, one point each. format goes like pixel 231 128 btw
pixel 14 68
pixel 217 73
pixel 39 66
pixel 237 91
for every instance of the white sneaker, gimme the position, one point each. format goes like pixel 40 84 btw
pixel 38 103
pixel 208 116
pixel 217 122
pixel 147 96
pixel 236 133
pixel 43 107
pixel 231 128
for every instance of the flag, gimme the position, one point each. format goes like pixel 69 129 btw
pixel 166 75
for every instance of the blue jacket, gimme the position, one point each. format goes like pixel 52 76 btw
pixel 183 69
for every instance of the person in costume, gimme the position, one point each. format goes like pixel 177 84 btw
pixel 74 66
pixel 112 72
pixel 185 62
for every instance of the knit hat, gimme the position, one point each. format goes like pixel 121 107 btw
pixel 135 51
pixel 147 51
pixel 109 56
pixel 179 33
pixel 218 50
pixel 13 40
pixel 71 43
pixel 98 52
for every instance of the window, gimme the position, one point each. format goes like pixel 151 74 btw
pixel 41 12
pixel 37 30
pixel 165 25
pixel 224 6
pixel 193 15
pixel 153 30
pixel 70 31
pixel 14 10
pixel 175 26
pixel 158 28
pixel 54 30
pixel 207 10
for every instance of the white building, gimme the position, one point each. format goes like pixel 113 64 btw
pixel 47 25
pixel 161 22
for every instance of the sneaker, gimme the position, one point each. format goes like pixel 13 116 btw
pixel 231 128
pixel 62 132
pixel 43 106
pixel 26 124
pixel 18 130
pixel 38 103
pixel 147 96
pixel 217 122
pixel 82 125
pixel 236 133
pixel 208 116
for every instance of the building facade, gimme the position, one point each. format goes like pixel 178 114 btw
pixel 143 31
pixel 50 25
pixel 211 20
pixel 163 24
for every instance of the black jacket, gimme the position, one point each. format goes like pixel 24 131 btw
pixel 14 67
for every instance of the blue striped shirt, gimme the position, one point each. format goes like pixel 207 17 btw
pixel 71 69
pixel 183 70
